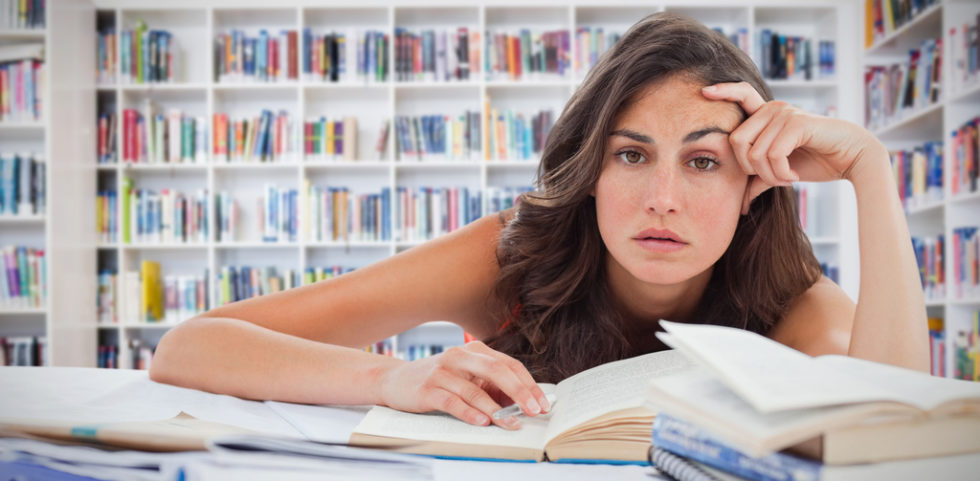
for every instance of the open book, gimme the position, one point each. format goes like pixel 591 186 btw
pixel 761 396
pixel 599 415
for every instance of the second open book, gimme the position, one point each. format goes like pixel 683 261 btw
pixel 599 415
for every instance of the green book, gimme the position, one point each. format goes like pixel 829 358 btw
pixel 127 188
pixel 138 33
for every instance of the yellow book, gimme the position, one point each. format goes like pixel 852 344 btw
pixel 331 137
pixel 152 291
pixel 869 23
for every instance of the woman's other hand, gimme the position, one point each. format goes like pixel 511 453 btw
pixel 469 382
pixel 779 144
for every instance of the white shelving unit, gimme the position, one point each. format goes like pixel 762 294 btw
pixel 67 106
pixel 197 92
pixel 937 122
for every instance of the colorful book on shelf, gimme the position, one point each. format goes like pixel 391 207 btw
pixel 965 168
pixel 760 396
pixel 599 415
pixel 151 306
pixel 966 262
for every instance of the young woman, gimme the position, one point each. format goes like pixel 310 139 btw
pixel 664 193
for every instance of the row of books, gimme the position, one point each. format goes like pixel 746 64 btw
pixel 23 277
pixel 240 283
pixel 966 351
pixel 739 37
pixel 807 204
pixel 106 143
pixel 239 57
pixel 337 214
pixel 148 56
pixel 884 17
pixel 410 352
pixel 448 54
pixel 425 213
pixel 965 252
pixel 516 136
pixel 438 137
pixel 22 184
pixel 21 90
pixel 278 211
pixel 894 91
pixel 23 351
pixel 150 137
pixel 929 255
pixel 168 216
pixel 345 56
pixel 527 54
pixel 937 347
pixel 784 57
pixel 919 174
pixel 106 222
pixel 106 56
pixel 140 353
pixel 22 14
pixel 150 295
pixel 592 42
pixel 966 157
pixel 964 47
pixel 334 213
pixel 330 139
pixel 270 137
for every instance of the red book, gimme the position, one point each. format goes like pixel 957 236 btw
pixel 103 133
pixel 291 54
pixel 272 69
pixel 129 131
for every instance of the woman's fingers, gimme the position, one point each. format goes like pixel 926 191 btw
pixel 473 359
pixel 520 371
pixel 742 93
pixel 470 400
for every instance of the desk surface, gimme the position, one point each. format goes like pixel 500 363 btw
pixel 90 397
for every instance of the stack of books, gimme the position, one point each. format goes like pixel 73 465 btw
pixel 755 409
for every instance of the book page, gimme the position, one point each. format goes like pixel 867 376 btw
pixel 912 387
pixel 610 387
pixel 767 374
pixel 441 427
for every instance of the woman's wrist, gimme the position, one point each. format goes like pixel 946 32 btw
pixel 870 167
pixel 377 377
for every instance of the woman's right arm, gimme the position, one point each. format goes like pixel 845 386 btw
pixel 305 344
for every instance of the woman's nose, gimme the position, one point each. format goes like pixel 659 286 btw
pixel 663 194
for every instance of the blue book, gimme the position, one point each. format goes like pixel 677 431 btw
pixel 262 56
pixel 687 440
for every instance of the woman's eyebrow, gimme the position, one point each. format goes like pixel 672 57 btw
pixel 691 137
pixel 632 134
pixel 697 134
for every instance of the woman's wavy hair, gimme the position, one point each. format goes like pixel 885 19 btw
pixel 551 296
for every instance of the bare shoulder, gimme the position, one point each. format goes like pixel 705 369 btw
pixel 819 321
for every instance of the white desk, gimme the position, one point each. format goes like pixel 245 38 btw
pixel 91 397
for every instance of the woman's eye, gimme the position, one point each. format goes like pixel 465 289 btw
pixel 703 163
pixel 630 156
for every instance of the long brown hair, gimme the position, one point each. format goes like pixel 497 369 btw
pixel 551 296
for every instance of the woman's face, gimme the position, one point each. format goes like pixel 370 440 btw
pixel 670 191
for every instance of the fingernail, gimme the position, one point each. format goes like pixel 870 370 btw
pixel 481 419
pixel 511 422
pixel 545 405
pixel 710 88
pixel 533 407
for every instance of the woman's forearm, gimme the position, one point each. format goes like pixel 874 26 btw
pixel 890 320
pixel 231 356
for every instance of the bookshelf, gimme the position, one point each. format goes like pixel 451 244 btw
pixel 958 102
pixel 62 318
pixel 197 92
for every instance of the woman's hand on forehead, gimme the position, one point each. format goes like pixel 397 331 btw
pixel 779 144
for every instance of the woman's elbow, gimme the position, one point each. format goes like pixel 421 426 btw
pixel 172 350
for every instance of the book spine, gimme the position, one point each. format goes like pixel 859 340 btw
pixel 690 441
